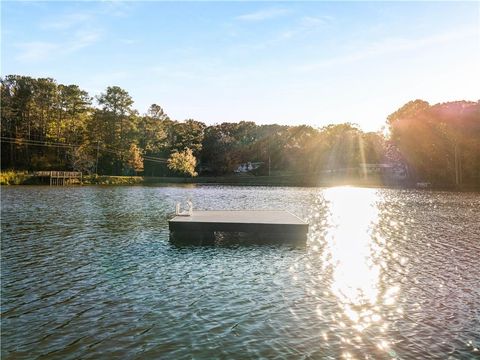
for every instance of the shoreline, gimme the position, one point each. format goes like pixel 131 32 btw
pixel 19 178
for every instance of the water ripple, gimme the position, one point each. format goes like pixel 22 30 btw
pixel 88 272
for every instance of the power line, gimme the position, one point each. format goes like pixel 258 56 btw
pixel 35 143
pixel 104 148
pixel 121 152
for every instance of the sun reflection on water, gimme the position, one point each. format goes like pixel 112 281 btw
pixel 352 214
pixel 354 251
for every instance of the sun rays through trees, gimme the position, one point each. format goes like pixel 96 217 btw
pixel 46 125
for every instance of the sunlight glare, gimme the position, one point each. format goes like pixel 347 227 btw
pixel 352 214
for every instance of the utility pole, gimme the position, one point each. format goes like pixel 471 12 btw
pixel 460 171
pixel 456 164
pixel 96 163
pixel 458 174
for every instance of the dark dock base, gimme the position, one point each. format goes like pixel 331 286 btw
pixel 242 227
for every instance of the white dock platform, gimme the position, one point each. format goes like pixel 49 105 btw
pixel 261 225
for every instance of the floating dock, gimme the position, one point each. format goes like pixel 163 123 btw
pixel 256 226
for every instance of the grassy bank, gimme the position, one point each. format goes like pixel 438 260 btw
pixel 15 178
pixel 23 178
pixel 287 180
pixel 112 180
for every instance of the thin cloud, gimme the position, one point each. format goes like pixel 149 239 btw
pixel 265 14
pixel 84 38
pixel 67 21
pixel 306 25
pixel 72 32
pixel 314 21
pixel 118 8
pixel 128 41
pixel 74 19
pixel 302 27
pixel 41 50
pixel 387 47
pixel 36 50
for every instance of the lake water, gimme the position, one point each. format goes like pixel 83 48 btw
pixel 89 272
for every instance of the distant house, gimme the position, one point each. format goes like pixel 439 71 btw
pixel 423 185
pixel 395 171
pixel 247 167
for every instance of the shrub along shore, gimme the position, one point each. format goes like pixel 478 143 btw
pixel 24 178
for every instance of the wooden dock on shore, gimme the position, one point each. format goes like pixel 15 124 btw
pixel 61 178
pixel 260 226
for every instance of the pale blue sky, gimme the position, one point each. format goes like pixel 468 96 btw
pixel 270 62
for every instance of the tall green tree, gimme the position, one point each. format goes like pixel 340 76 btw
pixel 114 128
pixel 188 134
pixel 219 155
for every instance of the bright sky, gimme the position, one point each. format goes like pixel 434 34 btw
pixel 290 63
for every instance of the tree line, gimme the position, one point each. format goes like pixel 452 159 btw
pixel 46 125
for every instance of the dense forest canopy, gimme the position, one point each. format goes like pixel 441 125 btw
pixel 46 125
